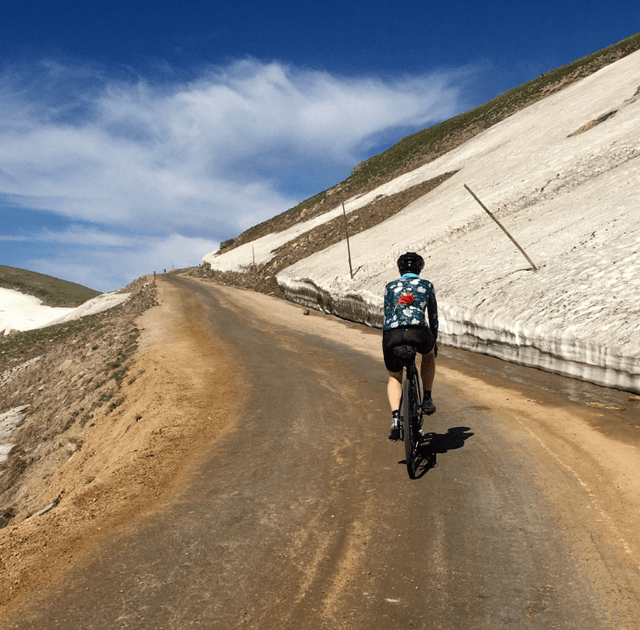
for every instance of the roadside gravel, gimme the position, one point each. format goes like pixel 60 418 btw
pixel 117 407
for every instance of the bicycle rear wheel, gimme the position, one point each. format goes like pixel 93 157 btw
pixel 411 419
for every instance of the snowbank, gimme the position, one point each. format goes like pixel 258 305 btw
pixel 9 420
pixel 25 312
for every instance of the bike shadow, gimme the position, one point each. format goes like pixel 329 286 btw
pixel 434 444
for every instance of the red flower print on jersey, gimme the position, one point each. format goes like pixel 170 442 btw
pixel 406 298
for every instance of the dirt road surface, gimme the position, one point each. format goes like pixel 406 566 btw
pixel 296 511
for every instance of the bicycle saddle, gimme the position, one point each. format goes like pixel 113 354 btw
pixel 406 353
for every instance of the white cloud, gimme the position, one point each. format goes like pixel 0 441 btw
pixel 189 154
pixel 87 237
pixel 148 167
pixel 106 264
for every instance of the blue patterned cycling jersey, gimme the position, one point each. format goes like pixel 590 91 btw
pixel 408 301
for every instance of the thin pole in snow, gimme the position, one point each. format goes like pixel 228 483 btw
pixel 513 240
pixel 346 230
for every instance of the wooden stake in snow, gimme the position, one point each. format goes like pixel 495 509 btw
pixel 513 240
pixel 346 230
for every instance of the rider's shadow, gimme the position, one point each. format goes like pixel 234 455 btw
pixel 433 444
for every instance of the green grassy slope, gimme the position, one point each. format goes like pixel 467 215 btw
pixel 52 291
pixel 429 144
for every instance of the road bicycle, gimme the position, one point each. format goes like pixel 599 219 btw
pixel 410 408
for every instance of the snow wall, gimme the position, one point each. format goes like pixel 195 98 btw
pixel 562 354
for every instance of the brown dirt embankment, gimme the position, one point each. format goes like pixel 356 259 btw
pixel 122 460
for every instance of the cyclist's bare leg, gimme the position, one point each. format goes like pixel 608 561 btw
pixel 394 389
pixel 428 370
pixel 394 393
pixel 427 373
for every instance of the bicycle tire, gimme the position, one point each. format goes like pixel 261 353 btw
pixel 411 419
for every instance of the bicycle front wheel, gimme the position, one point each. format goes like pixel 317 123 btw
pixel 411 419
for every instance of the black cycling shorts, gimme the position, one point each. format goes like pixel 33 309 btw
pixel 421 338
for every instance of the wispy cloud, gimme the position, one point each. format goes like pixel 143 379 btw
pixel 106 267
pixel 204 159
pixel 86 237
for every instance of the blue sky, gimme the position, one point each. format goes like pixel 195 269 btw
pixel 136 136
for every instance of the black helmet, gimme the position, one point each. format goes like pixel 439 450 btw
pixel 410 263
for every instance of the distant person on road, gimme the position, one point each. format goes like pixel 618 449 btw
pixel 410 317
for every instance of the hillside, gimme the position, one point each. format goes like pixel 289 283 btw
pixel 63 374
pixel 52 291
pixel 561 173
pixel 30 300
pixel 429 144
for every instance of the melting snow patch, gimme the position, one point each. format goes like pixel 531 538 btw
pixel 25 312
pixel 9 374
pixel 9 420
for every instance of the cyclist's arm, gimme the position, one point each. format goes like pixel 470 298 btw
pixel 388 302
pixel 432 313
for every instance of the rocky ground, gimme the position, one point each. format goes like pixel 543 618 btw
pixel 115 406
pixel 62 377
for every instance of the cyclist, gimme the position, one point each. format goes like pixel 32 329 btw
pixel 410 317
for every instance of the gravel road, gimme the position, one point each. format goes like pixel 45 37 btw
pixel 301 515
